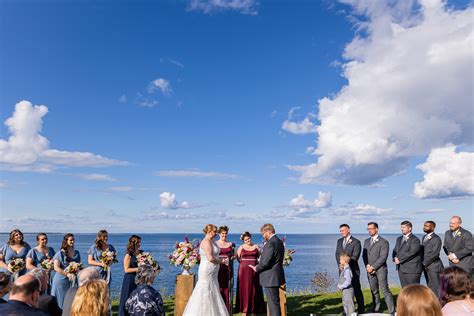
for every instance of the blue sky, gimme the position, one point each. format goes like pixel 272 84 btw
pixel 165 115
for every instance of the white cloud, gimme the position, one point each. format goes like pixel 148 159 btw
pixel 300 128
pixel 168 200
pixel 209 6
pixel 195 174
pixel 409 90
pixel 363 211
pixel 447 174
pixel 302 207
pixel 96 177
pixel 239 204
pixel 123 98
pixel 160 84
pixel 26 150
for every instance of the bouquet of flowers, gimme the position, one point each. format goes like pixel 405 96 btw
pixel 73 268
pixel 108 257
pixel 186 254
pixel 47 264
pixel 288 257
pixel 16 265
pixel 147 258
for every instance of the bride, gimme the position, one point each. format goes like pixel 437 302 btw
pixel 206 299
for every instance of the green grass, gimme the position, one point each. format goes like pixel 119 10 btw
pixel 301 304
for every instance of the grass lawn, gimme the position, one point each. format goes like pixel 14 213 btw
pixel 301 304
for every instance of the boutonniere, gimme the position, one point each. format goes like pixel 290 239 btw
pixel 376 240
pixel 429 237
pixel 349 241
pixel 458 233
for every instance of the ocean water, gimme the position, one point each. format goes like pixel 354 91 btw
pixel 314 253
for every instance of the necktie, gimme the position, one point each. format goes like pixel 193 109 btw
pixel 344 243
pixel 454 234
pixel 371 241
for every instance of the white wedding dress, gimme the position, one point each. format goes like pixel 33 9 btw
pixel 206 299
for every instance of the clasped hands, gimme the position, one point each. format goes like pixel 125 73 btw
pixel 370 269
pixel 452 258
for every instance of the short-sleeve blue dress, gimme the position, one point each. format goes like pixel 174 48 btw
pixel 9 254
pixel 61 282
pixel 37 257
pixel 96 253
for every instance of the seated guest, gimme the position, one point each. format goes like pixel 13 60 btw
pixel 47 303
pixel 92 299
pixel 456 289
pixel 145 300
pixel 84 276
pixel 5 284
pixel 23 298
pixel 416 300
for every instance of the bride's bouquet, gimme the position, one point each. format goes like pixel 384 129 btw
pixel 108 257
pixel 47 264
pixel 73 268
pixel 146 258
pixel 16 265
pixel 288 257
pixel 186 254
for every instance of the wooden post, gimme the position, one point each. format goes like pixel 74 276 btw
pixel 282 301
pixel 184 288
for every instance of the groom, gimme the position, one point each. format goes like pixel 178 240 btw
pixel 270 268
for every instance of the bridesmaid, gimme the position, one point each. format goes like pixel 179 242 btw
pixel 62 281
pixel 37 255
pixel 130 267
pixel 95 252
pixel 226 270
pixel 249 292
pixel 15 248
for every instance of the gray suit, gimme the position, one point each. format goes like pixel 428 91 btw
pixel 409 254
pixel 376 255
pixel 271 274
pixel 432 264
pixel 353 249
pixel 460 245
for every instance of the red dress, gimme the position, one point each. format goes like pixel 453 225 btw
pixel 249 290
pixel 225 272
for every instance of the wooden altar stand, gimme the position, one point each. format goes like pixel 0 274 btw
pixel 184 288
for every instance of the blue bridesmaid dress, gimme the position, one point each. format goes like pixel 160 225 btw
pixel 96 253
pixel 61 282
pixel 38 257
pixel 9 254
pixel 128 286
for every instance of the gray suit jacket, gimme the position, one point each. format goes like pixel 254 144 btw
pixel 376 254
pixel 409 254
pixel 461 247
pixel 270 266
pixel 430 250
pixel 353 249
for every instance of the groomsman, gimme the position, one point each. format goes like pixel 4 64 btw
pixel 432 264
pixel 407 256
pixel 375 255
pixel 351 246
pixel 458 245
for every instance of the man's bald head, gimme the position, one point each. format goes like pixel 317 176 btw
pixel 26 289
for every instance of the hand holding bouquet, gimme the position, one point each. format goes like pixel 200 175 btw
pixel 47 264
pixel 288 256
pixel 16 265
pixel 147 258
pixel 108 258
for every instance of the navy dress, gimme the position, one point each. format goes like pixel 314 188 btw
pixel 128 285
pixel 37 257
pixel 61 282
pixel 9 254
pixel 96 253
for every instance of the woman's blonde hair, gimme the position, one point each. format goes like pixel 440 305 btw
pixel 415 300
pixel 92 299
pixel 209 228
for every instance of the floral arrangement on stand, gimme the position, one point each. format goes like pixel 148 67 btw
pixel 186 254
